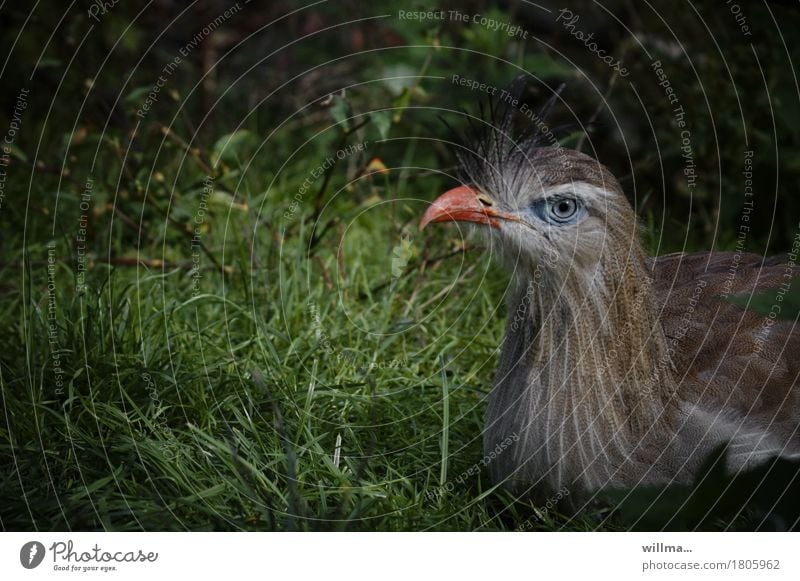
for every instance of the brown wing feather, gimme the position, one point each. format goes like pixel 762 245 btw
pixel 725 357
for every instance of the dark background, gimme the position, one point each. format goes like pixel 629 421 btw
pixel 739 92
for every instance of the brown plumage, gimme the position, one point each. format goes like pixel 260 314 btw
pixel 617 370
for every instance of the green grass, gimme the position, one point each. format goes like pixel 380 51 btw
pixel 220 406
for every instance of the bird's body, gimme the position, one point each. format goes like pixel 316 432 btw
pixel 618 370
pixel 737 372
pixel 644 398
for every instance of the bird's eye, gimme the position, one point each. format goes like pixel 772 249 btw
pixel 559 210
pixel 563 209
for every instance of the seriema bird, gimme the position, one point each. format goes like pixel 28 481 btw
pixel 616 369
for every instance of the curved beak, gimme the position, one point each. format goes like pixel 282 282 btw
pixel 463 204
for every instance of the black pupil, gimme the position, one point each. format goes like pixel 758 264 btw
pixel 564 207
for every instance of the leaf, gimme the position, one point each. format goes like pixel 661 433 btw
pixel 546 67
pixel 17 152
pixel 137 95
pixel 231 147
pixel 382 120
pixel 785 305
pixel 399 78
pixel 340 111
pixel 226 200
pixel 400 104
pixel 49 63
pixel 397 267
pixel 401 254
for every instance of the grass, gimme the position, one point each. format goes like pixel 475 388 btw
pixel 220 405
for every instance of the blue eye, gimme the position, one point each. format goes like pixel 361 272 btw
pixel 558 210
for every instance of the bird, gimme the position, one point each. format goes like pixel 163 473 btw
pixel 617 369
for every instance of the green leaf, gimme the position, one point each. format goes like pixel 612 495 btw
pixel 231 147
pixel 382 120
pixel 545 67
pixel 226 200
pixel 400 104
pixel 785 305
pixel 398 78
pixel 137 95
pixel 49 63
pixel 17 152
pixel 340 111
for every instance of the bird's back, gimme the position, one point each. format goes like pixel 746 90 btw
pixel 737 371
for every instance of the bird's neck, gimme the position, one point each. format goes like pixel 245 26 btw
pixel 584 374
pixel 596 333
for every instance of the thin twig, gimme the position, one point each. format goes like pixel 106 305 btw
pixel 425 263
pixel 194 152
pixel 319 198
pixel 600 105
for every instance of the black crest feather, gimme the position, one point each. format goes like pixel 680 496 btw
pixel 499 143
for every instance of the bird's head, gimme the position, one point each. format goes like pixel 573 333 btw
pixel 540 206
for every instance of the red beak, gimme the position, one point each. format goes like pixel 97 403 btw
pixel 461 204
